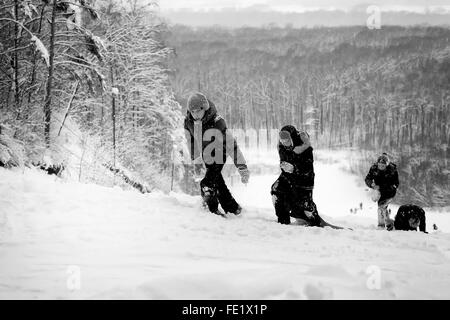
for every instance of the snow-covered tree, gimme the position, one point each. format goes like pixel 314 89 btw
pixel 138 116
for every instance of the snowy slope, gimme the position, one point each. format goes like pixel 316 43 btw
pixel 157 246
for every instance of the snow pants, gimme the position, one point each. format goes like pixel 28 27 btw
pixel 290 201
pixel 214 190
pixel 383 212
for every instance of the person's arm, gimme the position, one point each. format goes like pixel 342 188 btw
pixel 423 225
pixel 284 164
pixel 370 177
pixel 238 157
pixel 395 179
pixel 189 140
pixel 306 143
pixel 282 153
pixel 233 150
pixel 195 156
pixel 231 145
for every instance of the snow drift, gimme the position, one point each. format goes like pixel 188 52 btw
pixel 127 245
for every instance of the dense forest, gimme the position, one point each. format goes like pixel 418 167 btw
pixel 349 87
pixel 84 84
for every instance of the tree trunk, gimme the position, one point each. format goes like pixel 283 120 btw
pixel 410 132
pixel 49 93
pixel 330 116
pixel 69 106
pixel 113 101
pixel 422 129
pixel 16 59
pixel 34 59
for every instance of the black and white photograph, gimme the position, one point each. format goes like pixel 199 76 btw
pixel 218 150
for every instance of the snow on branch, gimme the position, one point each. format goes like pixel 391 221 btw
pixel 28 8
pixel 94 44
pixel 39 46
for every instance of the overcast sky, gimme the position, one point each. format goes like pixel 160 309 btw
pixel 303 5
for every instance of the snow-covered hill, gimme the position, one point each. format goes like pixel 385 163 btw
pixel 122 244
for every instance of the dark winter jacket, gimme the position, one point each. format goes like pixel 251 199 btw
pixel 226 143
pixel 303 175
pixel 406 212
pixel 387 179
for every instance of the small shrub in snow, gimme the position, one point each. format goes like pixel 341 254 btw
pixel 12 152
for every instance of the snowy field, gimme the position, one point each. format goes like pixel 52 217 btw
pixel 66 240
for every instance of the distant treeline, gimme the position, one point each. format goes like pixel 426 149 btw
pixel 259 16
pixel 373 90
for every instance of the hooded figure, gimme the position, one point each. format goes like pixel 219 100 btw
pixel 410 217
pixel 383 176
pixel 210 143
pixel 292 191
pixel 298 153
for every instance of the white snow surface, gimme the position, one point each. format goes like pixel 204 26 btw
pixel 127 245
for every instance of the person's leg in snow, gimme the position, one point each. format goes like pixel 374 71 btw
pixel 226 200
pixel 215 191
pixel 383 213
pixel 281 199
pixel 208 189
pixel 298 204
pixel 282 208
pixel 209 195
pixel 305 208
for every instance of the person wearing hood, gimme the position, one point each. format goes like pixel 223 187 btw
pixel 409 217
pixel 383 177
pixel 292 191
pixel 210 143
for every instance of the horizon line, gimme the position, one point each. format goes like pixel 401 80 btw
pixel 304 10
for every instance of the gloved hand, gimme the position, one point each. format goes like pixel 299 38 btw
pixel 389 224
pixel 375 195
pixel 198 167
pixel 245 175
pixel 305 137
pixel 299 149
pixel 198 160
pixel 198 173
pixel 287 167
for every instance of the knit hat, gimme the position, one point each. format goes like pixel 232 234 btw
pixel 284 135
pixel 197 101
pixel 384 159
pixel 294 135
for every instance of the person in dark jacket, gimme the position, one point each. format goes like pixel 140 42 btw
pixel 410 217
pixel 383 177
pixel 292 191
pixel 210 143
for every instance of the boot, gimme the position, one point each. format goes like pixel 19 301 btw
pixel 284 220
pixel 381 219
pixel 220 213
pixel 238 211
